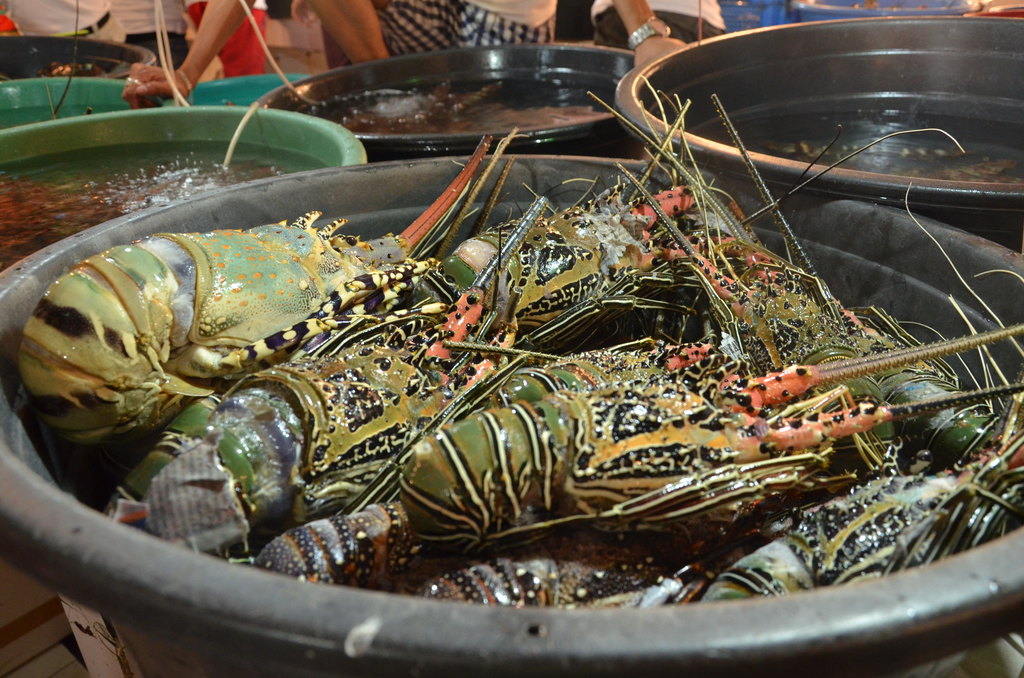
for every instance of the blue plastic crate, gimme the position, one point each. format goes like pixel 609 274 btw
pixel 241 90
pixel 810 10
pixel 741 15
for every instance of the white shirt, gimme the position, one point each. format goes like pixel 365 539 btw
pixel 138 16
pixel 533 13
pixel 48 17
pixel 259 4
pixel 708 9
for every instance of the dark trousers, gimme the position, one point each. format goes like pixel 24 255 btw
pixel 176 41
pixel 610 32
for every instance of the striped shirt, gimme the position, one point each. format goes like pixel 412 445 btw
pixel 425 25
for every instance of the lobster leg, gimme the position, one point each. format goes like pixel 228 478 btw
pixel 368 294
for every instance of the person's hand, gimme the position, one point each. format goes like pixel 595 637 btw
pixel 654 48
pixel 145 85
pixel 303 13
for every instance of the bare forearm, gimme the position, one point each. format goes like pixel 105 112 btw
pixel 220 20
pixel 355 26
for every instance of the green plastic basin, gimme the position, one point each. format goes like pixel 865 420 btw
pixel 61 177
pixel 35 99
pixel 238 91
pixel 307 142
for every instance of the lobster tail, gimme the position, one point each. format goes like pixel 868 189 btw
pixel 93 348
pixel 361 549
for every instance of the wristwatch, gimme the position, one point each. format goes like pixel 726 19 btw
pixel 648 29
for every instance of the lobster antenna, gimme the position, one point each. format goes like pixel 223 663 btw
pixel 504 253
pixel 420 229
pixel 661 148
pixel 956 400
pixel 661 144
pixel 793 247
pixel 474 190
pixel 537 207
pixel 852 368
pixel 492 199
pixel 500 350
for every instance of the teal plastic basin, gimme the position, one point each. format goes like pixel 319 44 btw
pixel 61 177
pixel 308 142
pixel 36 99
pixel 238 91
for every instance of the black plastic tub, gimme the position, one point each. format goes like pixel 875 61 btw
pixel 537 76
pixel 794 84
pixel 186 614
pixel 22 56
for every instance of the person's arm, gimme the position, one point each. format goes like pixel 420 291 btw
pixel 355 26
pixel 635 13
pixel 303 13
pixel 220 20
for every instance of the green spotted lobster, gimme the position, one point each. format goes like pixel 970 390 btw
pixel 123 340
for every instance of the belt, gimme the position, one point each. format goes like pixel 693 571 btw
pixel 91 29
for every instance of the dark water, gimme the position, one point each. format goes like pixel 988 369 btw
pixel 48 198
pixel 469 108
pixel 993 152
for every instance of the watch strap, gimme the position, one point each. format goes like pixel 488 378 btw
pixel 646 30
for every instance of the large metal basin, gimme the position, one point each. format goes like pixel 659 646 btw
pixel 528 75
pixel 186 614
pixel 21 56
pixel 872 76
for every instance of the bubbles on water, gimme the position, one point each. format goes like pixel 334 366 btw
pixel 50 199
pixel 178 179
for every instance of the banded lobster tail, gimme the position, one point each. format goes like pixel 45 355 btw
pixel 643 364
pixel 569 569
pixel 377 545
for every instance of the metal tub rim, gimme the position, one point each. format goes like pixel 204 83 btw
pixel 305 629
pixel 837 182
